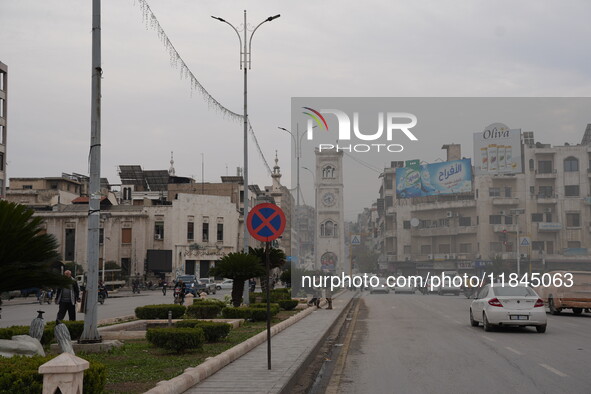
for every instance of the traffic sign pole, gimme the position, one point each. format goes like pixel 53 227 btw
pixel 266 223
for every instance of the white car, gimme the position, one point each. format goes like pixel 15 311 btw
pixel 382 287
pixel 500 306
pixel 226 284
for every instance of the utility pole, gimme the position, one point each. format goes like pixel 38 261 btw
pixel 90 333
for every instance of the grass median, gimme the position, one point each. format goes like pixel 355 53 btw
pixel 137 366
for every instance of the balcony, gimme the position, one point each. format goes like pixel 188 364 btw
pixel 549 226
pixel 547 198
pixel 423 204
pixel 505 201
pixel 442 231
pixel 545 174
pixel 510 228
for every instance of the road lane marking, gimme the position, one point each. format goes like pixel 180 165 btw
pixel 457 321
pixel 488 338
pixel 554 370
pixel 513 350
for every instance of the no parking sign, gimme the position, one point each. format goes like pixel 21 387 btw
pixel 265 222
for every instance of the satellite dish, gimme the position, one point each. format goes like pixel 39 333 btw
pixel 414 222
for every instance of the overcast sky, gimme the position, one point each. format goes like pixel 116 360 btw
pixel 321 48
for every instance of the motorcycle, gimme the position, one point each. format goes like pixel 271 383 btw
pixel 45 296
pixel 135 288
pixel 102 294
pixel 179 298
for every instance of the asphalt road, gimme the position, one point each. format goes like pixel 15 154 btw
pixel 20 311
pixel 425 344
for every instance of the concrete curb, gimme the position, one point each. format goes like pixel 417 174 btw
pixel 194 375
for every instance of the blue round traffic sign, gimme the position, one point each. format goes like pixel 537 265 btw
pixel 265 222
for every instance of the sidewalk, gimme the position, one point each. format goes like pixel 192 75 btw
pixel 289 350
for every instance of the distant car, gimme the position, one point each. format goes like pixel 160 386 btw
pixel 404 289
pixel 192 284
pixel 499 306
pixel 226 284
pixel 382 287
pixel 210 285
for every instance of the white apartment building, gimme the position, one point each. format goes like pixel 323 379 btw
pixel 549 204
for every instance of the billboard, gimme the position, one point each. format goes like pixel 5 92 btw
pixel 433 179
pixel 497 150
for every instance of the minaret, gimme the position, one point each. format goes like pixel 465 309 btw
pixel 171 169
pixel 276 176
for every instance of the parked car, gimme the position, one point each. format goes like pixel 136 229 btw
pixel 225 284
pixel 192 284
pixel 404 289
pixel 499 306
pixel 577 298
pixel 210 285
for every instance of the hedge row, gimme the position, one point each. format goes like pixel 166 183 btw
pixel 75 328
pixel 248 313
pixel 203 310
pixel 288 305
pixel 276 295
pixel 201 301
pixel 18 374
pixel 176 339
pixel 159 311
pixel 214 331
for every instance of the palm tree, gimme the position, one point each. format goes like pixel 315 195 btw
pixel 26 252
pixel 240 267
pixel 276 260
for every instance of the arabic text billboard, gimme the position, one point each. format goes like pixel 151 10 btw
pixel 433 179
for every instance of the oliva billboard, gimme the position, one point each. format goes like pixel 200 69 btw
pixel 433 179
pixel 497 150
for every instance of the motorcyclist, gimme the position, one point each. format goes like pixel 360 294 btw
pixel 162 284
pixel 102 289
pixel 135 285
pixel 180 289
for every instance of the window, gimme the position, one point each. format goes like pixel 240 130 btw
pixel 573 220
pixel 190 231
pixel 388 182
pixel 425 249
pixel 159 230
pixel 328 172
pixel 573 244
pixel 465 221
pixel 508 219
pixel 545 167
pixel 2 81
pixel 101 236
pixel 465 248
pixel 546 191
pixel 507 190
pixel 444 248
pixel 571 164
pixel 27 187
pixel 571 191
pixel 495 219
pixel 389 201
pixel 537 217
pixel 241 196
pixel 406 224
pixel 531 164
pixel 126 235
pixel 1 134
pixel 1 161
pixel 205 232
pixel 220 233
pixel 548 217
pixel 1 108
pixel 126 193
pixel 328 229
pixel 537 245
pixel 407 249
pixel 494 192
pixel 532 190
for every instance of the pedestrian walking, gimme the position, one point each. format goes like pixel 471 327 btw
pixel 67 297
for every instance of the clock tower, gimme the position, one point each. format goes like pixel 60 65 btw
pixel 330 223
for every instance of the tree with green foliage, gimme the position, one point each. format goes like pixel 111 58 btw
pixel 240 267
pixel 276 260
pixel 27 253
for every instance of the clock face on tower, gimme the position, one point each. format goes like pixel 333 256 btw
pixel 328 199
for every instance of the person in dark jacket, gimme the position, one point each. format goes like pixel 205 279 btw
pixel 66 298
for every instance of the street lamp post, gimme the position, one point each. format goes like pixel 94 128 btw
pixel 245 64
pixel 515 213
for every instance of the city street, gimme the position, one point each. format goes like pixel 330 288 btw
pixel 20 311
pixel 425 344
